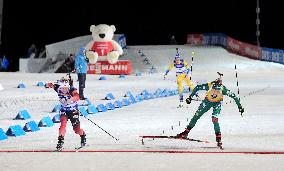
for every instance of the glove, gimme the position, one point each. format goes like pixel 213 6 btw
pixel 49 85
pixel 188 100
pixel 241 109
pixel 87 59
pixel 71 82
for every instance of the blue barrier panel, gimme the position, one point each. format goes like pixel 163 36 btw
pixel 138 74
pixel 83 111
pixel 117 104
pixel 146 96
pixel 215 39
pixel 88 101
pixel 110 106
pixel 102 78
pixel 277 56
pixel 176 92
pixel 92 109
pixel 128 94
pixel 31 127
pixel 23 115
pixel 40 84
pixel 139 98
pixel 186 90
pixel 266 54
pixel 172 92
pixel 121 40
pixel 3 136
pixel 165 93
pixel 56 118
pixel 45 122
pixel 273 55
pixel 125 102
pixel 121 76
pixel 109 96
pixel 145 92
pixel 56 108
pixel 151 96
pixel 131 97
pixel 15 130
pixel 101 108
pixel 21 86
pixel 158 93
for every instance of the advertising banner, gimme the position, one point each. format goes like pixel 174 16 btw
pixel 251 51
pixel 274 55
pixel 235 46
pixel 195 39
pixel 103 67
pixel 121 40
pixel 215 39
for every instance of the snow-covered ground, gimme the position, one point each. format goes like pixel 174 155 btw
pixel 261 129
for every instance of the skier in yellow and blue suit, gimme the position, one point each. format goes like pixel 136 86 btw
pixel 182 75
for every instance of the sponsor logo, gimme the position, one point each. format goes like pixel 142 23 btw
pixel 114 67
pixel 234 45
pixel 252 52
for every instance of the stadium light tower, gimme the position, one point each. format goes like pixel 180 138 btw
pixel 257 23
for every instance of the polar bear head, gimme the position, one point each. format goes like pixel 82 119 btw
pixel 102 32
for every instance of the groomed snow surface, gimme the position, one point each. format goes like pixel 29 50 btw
pixel 261 129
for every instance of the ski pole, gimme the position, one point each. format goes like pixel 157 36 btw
pixel 191 65
pixel 237 81
pixel 101 128
pixel 238 85
pixel 251 93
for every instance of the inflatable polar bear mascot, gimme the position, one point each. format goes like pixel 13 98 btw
pixel 102 47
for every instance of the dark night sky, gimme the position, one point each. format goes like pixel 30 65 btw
pixel 43 22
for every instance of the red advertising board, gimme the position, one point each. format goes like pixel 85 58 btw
pixel 244 49
pixel 235 46
pixel 251 51
pixel 195 39
pixel 103 67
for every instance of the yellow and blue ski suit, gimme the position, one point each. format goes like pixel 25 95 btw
pixel 182 75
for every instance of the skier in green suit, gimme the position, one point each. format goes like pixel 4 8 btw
pixel 214 97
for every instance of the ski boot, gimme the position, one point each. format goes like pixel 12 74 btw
pixel 83 140
pixel 183 135
pixel 180 104
pixel 83 97
pixel 180 101
pixel 60 143
pixel 219 142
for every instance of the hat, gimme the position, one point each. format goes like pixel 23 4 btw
pixel 177 56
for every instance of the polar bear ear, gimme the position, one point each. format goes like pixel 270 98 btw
pixel 92 28
pixel 113 28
